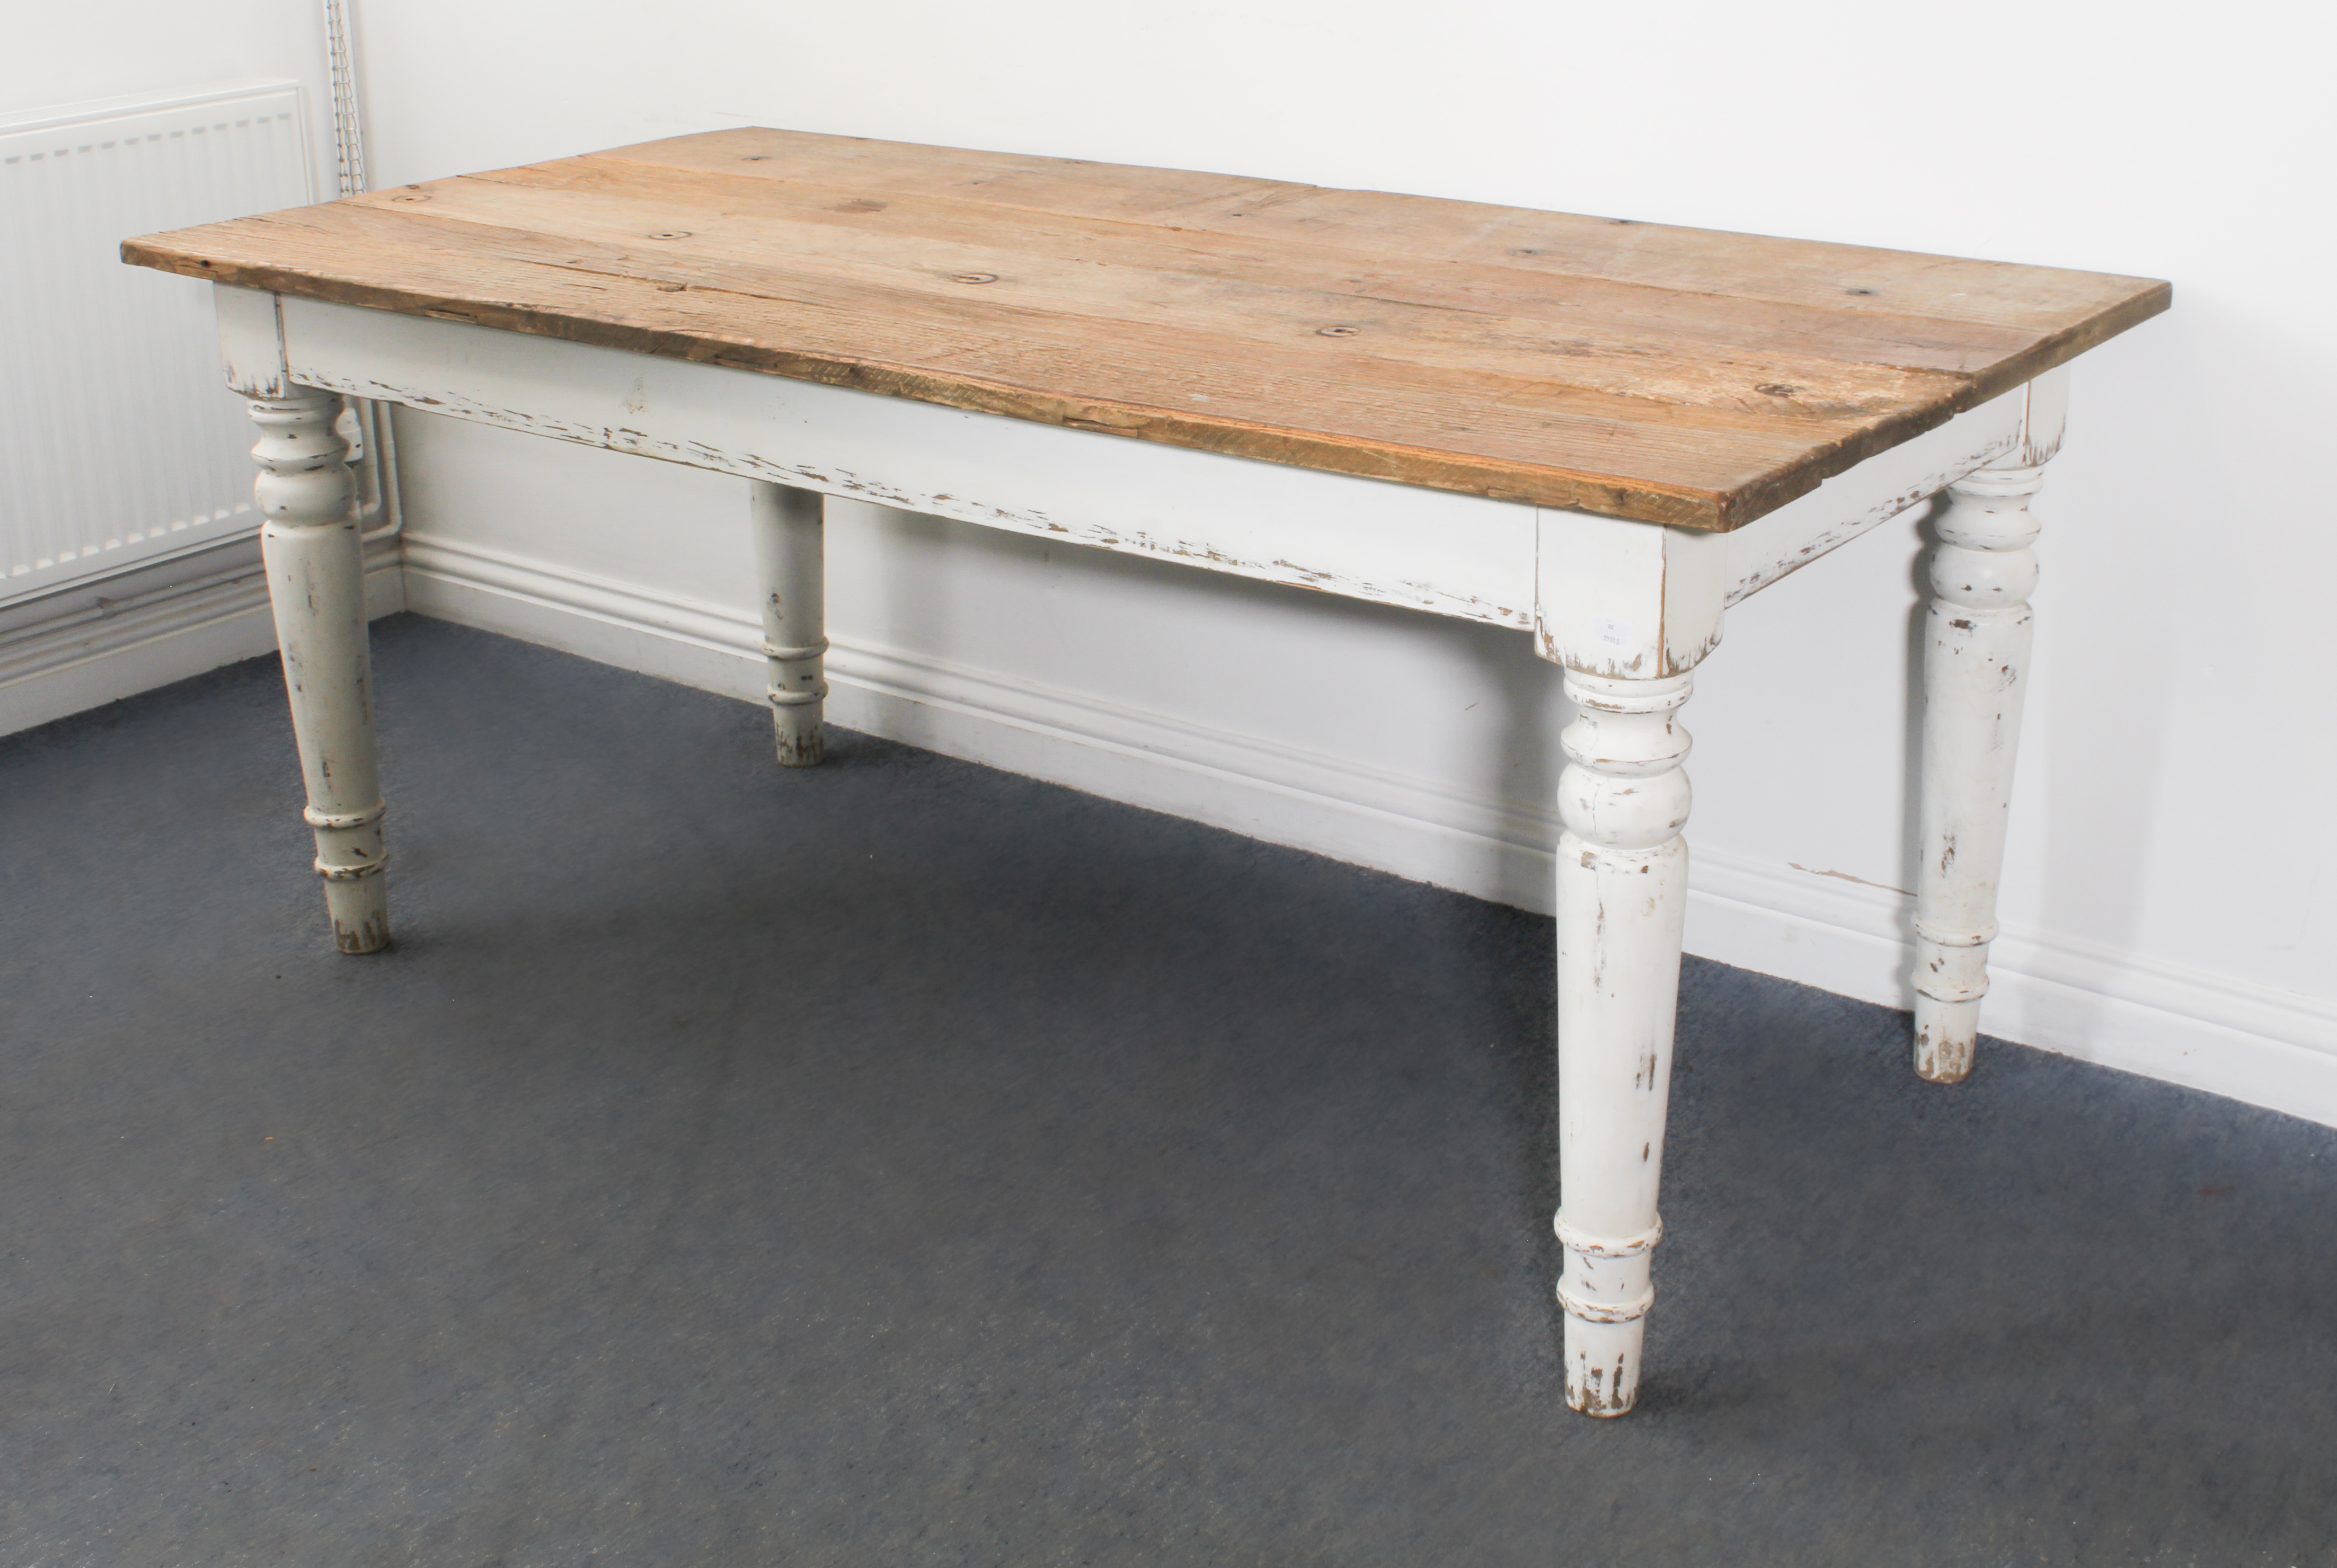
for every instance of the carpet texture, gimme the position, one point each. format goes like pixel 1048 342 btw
pixel 904 1163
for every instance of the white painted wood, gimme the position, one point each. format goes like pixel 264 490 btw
pixel 251 343
pixel 791 555
pixel 1622 897
pixel 1977 633
pixel 2044 412
pixel 315 584
pixel 1629 600
pixel 1878 489
pixel 251 358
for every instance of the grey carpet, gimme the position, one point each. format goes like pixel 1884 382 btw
pixel 905 1162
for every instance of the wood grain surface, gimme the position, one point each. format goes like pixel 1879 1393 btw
pixel 1668 374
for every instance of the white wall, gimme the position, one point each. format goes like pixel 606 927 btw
pixel 2169 906
pixel 64 54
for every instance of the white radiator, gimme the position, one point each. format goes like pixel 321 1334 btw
pixel 119 445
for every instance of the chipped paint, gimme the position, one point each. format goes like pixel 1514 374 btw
pixel 1621 889
pixel 1208 554
pixel 1976 645
pixel 314 563
pixel 1843 508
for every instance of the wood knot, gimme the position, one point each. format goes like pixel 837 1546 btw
pixel 973 277
pixel 1336 331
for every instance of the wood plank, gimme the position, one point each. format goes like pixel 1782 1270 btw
pixel 1018 364
pixel 1849 279
pixel 1658 374
pixel 759 253
pixel 1586 303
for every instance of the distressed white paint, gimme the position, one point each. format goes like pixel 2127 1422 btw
pixel 1975 667
pixel 1977 637
pixel 1622 897
pixel 1878 489
pixel 251 343
pixel 1625 599
pixel 315 583
pixel 791 557
pixel 1629 609
pixel 2044 414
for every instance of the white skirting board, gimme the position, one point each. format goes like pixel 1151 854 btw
pixel 127 636
pixel 2250 1043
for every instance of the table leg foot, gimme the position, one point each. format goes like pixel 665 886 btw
pixel 1977 633
pixel 1946 1034
pixel 790 551
pixel 360 910
pixel 1622 894
pixel 316 587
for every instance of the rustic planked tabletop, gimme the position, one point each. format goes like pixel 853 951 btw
pixel 1668 375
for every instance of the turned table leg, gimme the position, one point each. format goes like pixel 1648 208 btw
pixel 1622 893
pixel 315 584
pixel 789 555
pixel 1975 668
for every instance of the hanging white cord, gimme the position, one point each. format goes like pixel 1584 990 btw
pixel 371 419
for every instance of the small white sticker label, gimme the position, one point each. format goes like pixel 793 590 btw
pixel 1613 634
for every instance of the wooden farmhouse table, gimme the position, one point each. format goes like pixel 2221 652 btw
pixel 1598 432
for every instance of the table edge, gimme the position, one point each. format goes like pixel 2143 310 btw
pixel 1708 510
